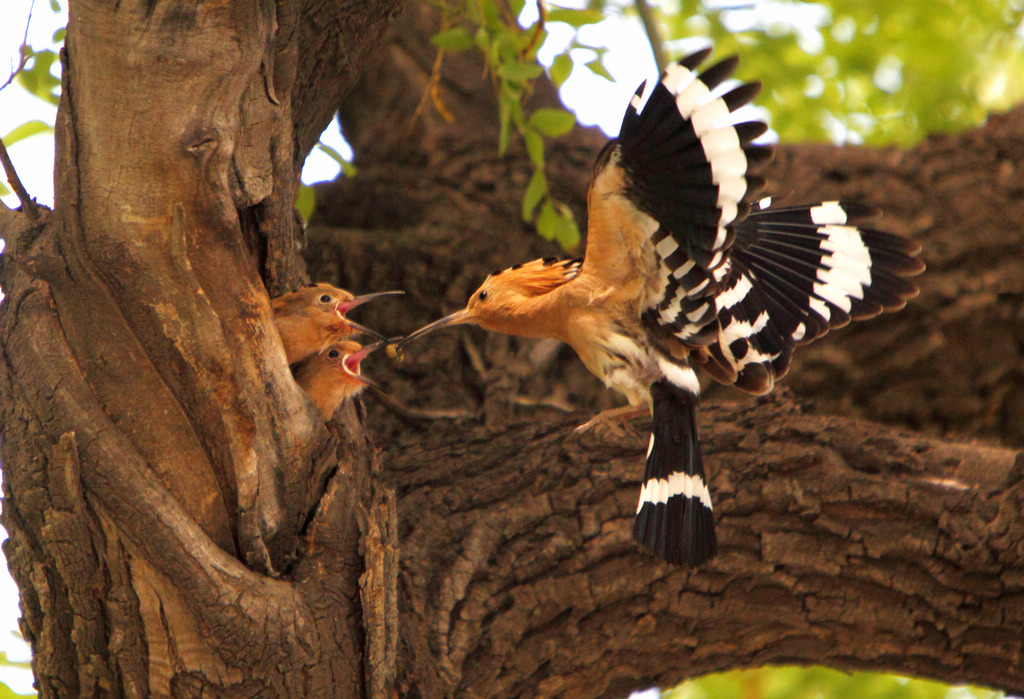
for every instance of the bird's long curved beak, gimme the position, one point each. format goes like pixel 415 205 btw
pixel 352 363
pixel 457 318
pixel 365 330
pixel 344 307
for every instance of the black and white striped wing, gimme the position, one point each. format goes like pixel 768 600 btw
pixel 688 167
pixel 794 274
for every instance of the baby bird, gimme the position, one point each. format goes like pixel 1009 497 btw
pixel 331 376
pixel 310 319
pixel 684 267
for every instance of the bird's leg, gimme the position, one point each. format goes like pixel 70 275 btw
pixel 615 419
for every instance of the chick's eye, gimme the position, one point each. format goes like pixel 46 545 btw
pixel 325 298
pixel 333 354
pixel 482 296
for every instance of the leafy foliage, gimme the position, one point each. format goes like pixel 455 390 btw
pixel 510 53
pixel 5 691
pixel 842 70
pixel 869 71
pixel 38 76
pixel 819 682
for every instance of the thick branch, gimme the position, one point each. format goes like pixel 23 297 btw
pixel 842 542
pixel 28 204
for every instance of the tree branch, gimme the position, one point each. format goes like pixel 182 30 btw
pixel 653 33
pixel 28 204
pixel 843 542
pixel 23 61
pixel 836 536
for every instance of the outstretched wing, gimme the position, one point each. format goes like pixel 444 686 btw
pixel 664 195
pixel 794 274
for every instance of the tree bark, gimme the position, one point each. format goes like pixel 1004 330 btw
pixel 181 521
pixel 844 542
pixel 163 470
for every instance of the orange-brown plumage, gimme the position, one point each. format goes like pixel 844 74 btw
pixel 312 318
pixel 334 375
pixel 683 267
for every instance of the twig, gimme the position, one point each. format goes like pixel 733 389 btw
pixel 28 204
pixel 24 45
pixel 653 34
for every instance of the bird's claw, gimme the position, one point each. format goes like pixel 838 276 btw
pixel 616 421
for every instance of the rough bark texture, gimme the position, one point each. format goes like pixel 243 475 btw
pixel 163 472
pixel 844 542
pixel 182 523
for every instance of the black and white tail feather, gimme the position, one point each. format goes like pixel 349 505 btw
pixel 674 517
pixel 738 284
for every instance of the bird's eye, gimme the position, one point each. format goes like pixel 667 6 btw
pixel 482 296
pixel 333 354
pixel 325 298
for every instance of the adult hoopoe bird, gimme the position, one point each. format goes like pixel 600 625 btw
pixel 681 268
pixel 331 376
pixel 313 317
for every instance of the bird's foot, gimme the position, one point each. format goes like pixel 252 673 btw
pixel 615 420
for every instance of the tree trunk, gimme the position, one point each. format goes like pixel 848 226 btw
pixel 181 522
pixel 163 472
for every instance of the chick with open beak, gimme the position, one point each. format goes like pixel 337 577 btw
pixel 334 375
pixel 312 318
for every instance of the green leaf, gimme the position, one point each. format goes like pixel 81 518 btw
pixel 534 147
pixel 519 73
pixel 491 14
pixel 58 36
pixel 482 39
pixel 576 18
pixel 3 190
pixel 561 68
pixel 26 130
pixel 552 122
pixel 556 222
pixel 567 233
pixel 505 102
pixel 803 683
pixel 347 168
pixel 515 104
pixel 331 152
pixel 8 693
pixel 305 202
pixel 454 39
pixel 37 79
pixel 597 68
pixel 535 191
pixel 547 221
